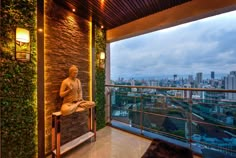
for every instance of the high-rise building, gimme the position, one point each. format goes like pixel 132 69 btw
pixel 175 76
pixel 186 94
pixel 190 78
pixel 230 83
pixel 213 97
pixel 212 75
pixel 199 77
pixel 233 73
pixel 132 82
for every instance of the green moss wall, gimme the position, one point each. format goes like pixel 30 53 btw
pixel 100 46
pixel 17 82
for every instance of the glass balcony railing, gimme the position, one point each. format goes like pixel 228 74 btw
pixel 201 119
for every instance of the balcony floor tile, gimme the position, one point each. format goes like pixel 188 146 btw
pixel 112 143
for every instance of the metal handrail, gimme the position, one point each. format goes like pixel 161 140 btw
pixel 174 88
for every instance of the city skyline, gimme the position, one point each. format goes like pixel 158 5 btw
pixel 202 46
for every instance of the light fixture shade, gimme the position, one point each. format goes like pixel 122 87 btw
pixel 102 55
pixel 22 35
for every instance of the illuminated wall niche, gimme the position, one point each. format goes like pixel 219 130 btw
pixel 67 43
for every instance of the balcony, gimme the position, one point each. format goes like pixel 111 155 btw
pixel 139 114
pixel 69 32
pixel 199 119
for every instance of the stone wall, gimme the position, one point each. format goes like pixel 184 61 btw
pixel 66 44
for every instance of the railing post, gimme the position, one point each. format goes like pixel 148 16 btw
pixel 110 109
pixel 190 118
pixel 109 105
pixel 141 113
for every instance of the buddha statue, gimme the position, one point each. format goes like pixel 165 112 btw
pixel 71 92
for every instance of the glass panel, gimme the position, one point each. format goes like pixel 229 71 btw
pixel 213 137
pixel 172 127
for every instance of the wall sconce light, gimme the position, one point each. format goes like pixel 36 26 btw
pixel 102 56
pixel 102 59
pixel 22 44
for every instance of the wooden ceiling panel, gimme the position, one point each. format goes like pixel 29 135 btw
pixel 113 13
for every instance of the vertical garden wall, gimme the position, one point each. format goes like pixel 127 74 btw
pixel 100 46
pixel 17 82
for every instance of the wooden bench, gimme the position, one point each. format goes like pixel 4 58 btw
pixel 57 148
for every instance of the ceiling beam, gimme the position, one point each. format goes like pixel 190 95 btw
pixel 187 12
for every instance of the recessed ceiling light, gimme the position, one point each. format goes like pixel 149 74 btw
pixel 40 30
pixel 73 10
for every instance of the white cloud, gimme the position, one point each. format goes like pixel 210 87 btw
pixel 201 46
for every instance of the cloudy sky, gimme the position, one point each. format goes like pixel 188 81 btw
pixel 201 46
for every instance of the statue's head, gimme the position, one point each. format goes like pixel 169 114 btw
pixel 73 71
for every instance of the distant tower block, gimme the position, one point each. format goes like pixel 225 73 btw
pixel 230 83
pixel 175 76
pixel 212 75
pixel 199 77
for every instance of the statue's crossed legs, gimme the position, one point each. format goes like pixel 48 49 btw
pixel 69 108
